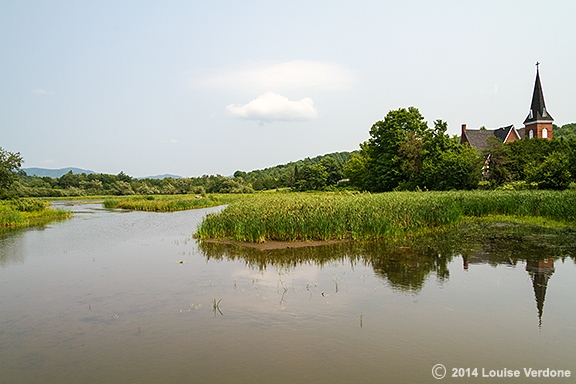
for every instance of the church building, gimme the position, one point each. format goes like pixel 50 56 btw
pixel 538 123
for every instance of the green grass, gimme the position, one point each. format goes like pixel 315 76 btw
pixel 300 216
pixel 22 213
pixel 169 203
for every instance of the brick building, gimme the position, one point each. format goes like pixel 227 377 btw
pixel 538 123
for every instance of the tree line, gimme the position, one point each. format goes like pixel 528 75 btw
pixel 402 153
pixel 316 173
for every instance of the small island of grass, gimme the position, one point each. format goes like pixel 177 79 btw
pixel 169 203
pixel 23 213
pixel 364 216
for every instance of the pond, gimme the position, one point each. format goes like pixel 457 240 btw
pixel 131 297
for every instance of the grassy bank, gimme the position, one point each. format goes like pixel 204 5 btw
pixel 22 213
pixel 290 217
pixel 169 203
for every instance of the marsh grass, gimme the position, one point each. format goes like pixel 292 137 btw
pixel 169 203
pixel 307 217
pixel 22 213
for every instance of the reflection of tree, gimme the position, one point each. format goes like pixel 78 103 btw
pixel 286 258
pixel 502 243
pixel 11 249
pixel 508 243
pixel 406 261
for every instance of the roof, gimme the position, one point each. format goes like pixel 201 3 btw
pixel 503 132
pixel 478 138
pixel 538 110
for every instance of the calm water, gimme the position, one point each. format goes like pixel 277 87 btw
pixel 130 297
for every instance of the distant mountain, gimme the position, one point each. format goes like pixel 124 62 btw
pixel 160 177
pixel 55 173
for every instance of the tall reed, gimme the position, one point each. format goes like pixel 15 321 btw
pixel 21 213
pixel 168 203
pixel 290 217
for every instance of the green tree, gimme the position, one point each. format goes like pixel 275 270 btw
pixel 311 177
pixel 240 174
pixel 393 148
pixel 567 131
pixel 552 173
pixel 122 188
pixel 497 160
pixel 10 164
pixel 457 168
pixel 333 168
pixel 523 154
pixel 356 170
pixel 436 140
pixel 124 177
pixel 70 179
pixel 410 153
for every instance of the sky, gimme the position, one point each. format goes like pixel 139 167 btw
pixel 211 87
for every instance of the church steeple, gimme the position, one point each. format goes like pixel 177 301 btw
pixel 539 122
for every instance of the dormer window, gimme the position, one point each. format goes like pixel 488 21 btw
pixel 531 114
pixel 544 112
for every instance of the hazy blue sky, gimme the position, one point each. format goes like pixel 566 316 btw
pixel 206 87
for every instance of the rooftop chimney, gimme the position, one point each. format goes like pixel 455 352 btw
pixel 463 128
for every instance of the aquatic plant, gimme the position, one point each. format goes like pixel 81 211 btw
pixel 168 203
pixel 216 307
pixel 300 216
pixel 21 213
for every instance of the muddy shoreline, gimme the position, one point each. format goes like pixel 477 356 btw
pixel 269 245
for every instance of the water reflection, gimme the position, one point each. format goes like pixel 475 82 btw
pixel 540 272
pixel 9 252
pixel 128 297
pixel 405 263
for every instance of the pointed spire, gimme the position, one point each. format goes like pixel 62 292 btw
pixel 540 273
pixel 538 110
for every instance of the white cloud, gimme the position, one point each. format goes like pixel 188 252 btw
pixel 271 107
pixel 296 74
pixel 40 91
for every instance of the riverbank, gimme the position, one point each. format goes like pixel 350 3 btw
pixel 273 245
pixel 23 213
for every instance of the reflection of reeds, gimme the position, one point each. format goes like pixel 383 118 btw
pixel 291 217
pixel 406 260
